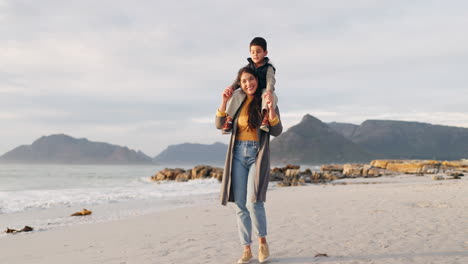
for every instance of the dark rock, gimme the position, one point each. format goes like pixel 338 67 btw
pixel 13 231
pixel 353 170
pixel 332 175
pixel 183 177
pixel 290 175
pixel 204 171
pixel 332 167
pixel 317 177
pixel 82 213
pixel 306 175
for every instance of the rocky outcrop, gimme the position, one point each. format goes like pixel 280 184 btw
pixel 388 167
pixel 181 175
pixel 278 173
pixel 353 170
pixel 167 174
pixel 421 166
pixel 370 171
pixel 326 176
pixel 202 172
pixel 350 170
pixel 332 167
pixel 291 175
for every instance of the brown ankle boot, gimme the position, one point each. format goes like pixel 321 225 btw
pixel 246 257
pixel 263 252
pixel 265 123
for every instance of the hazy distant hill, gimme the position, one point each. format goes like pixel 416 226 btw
pixel 309 142
pixel 63 149
pixel 314 142
pixel 409 140
pixel 189 153
pixel 345 129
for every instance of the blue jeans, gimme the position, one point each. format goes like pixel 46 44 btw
pixel 243 174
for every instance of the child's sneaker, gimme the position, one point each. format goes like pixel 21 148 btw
pixel 246 257
pixel 263 252
pixel 265 126
pixel 227 127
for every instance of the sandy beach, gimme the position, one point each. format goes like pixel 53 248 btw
pixel 399 219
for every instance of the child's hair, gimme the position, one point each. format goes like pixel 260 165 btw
pixel 259 41
pixel 255 115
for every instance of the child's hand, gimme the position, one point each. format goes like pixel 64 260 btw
pixel 227 93
pixel 268 96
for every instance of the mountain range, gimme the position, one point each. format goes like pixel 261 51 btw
pixel 407 140
pixel 311 141
pixel 189 153
pixel 314 142
pixel 64 149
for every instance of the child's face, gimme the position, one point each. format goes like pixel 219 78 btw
pixel 248 83
pixel 257 54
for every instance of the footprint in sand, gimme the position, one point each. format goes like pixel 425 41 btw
pixel 428 204
pixel 163 253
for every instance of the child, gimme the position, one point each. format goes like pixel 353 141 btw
pixel 266 81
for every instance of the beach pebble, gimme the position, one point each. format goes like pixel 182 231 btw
pixel 437 177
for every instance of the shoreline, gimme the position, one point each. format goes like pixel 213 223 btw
pixel 398 219
pixel 45 220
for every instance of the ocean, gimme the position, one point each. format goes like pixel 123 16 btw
pixel 44 196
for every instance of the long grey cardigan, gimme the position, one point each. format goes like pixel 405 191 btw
pixel 262 168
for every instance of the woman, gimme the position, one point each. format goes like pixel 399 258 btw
pixel 247 167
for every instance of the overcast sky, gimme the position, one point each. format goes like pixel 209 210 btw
pixel 147 74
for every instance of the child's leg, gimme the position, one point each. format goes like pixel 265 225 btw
pixel 275 100
pixel 235 102
pixel 265 126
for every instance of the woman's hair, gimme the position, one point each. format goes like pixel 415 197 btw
pixel 255 115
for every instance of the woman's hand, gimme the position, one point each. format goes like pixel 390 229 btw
pixel 225 96
pixel 227 93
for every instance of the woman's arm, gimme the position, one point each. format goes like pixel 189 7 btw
pixel 221 112
pixel 276 127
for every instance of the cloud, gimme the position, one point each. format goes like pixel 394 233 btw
pixel 146 74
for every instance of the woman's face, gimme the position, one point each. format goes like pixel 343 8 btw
pixel 248 83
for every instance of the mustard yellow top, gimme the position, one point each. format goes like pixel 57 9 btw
pixel 244 133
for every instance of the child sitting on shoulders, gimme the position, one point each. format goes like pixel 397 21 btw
pixel 266 82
